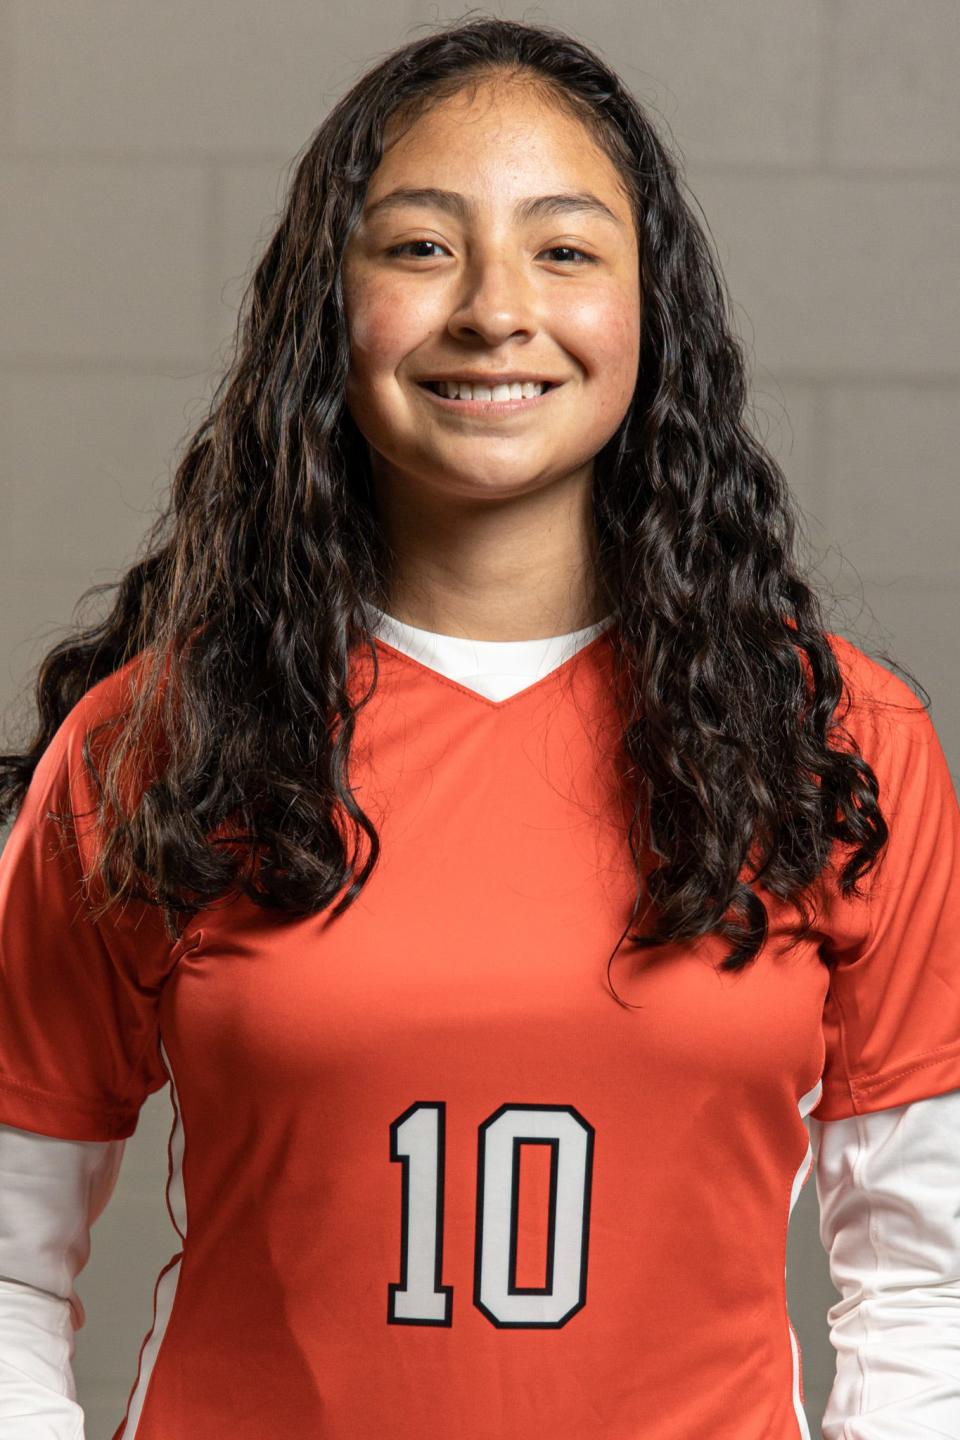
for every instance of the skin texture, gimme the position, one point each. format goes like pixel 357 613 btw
pixel 490 519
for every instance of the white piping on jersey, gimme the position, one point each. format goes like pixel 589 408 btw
pixel 165 1289
pixel 805 1104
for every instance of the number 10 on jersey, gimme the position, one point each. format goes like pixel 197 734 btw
pixel 417 1141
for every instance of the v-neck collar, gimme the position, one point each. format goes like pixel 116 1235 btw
pixel 446 657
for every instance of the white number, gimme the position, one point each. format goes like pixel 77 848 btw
pixel 417 1142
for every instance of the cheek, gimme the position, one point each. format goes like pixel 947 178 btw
pixel 622 335
pixel 623 341
pixel 603 335
pixel 384 324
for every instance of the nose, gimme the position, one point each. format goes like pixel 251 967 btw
pixel 496 302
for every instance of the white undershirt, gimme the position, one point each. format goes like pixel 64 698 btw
pixel 494 668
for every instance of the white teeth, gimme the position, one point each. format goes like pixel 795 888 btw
pixel 515 390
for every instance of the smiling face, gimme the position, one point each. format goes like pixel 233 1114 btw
pixel 487 277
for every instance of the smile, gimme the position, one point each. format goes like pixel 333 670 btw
pixel 506 399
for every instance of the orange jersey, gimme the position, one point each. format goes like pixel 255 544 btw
pixel 429 1177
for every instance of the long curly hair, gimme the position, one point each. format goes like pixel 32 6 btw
pixel 249 597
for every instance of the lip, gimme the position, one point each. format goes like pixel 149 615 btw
pixel 493 409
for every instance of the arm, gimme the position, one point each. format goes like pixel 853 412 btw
pixel 888 1183
pixel 51 1191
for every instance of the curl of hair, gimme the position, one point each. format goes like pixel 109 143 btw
pixel 248 598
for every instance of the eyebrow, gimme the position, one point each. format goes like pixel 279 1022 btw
pixel 532 208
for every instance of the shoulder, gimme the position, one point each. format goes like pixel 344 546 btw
pixel 878 708
pixel 869 684
pixel 893 731
pixel 108 698
pixel 86 727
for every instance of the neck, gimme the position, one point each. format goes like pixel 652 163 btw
pixel 519 568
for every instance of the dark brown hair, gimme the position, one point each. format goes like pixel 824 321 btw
pixel 249 594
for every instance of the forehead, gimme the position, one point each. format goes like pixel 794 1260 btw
pixel 496 138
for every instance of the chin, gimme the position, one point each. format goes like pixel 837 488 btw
pixel 485 480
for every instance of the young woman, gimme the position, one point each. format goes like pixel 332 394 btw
pixel 465 812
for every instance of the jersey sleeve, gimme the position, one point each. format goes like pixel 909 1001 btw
pixel 891 1018
pixel 79 1036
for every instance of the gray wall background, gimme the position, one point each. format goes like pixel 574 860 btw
pixel 142 151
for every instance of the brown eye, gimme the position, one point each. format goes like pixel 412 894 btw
pixel 401 249
pixel 585 259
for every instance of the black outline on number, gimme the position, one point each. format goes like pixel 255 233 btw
pixel 554 1146
pixel 404 1160
pixel 512 1287
pixel 478 1251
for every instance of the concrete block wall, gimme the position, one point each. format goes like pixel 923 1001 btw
pixel 142 159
